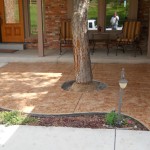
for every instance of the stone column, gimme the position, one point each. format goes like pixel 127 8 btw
pixel 40 29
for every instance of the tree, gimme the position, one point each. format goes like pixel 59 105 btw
pixel 83 71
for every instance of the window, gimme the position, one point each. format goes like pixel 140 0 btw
pixel 121 9
pixel 93 13
pixel 111 6
pixel 90 25
pixel 33 16
pixel 30 17
pixel 11 11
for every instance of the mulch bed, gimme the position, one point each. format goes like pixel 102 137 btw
pixel 85 120
pixel 96 121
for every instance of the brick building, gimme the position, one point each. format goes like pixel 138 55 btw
pixel 50 12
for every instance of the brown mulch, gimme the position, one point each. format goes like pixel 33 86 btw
pixel 86 120
pixel 96 121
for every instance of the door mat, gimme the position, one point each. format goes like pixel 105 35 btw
pixel 7 51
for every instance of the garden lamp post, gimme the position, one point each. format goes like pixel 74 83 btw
pixel 122 83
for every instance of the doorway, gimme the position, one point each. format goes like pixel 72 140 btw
pixel 11 21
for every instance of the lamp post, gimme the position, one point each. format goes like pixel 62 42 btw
pixel 122 83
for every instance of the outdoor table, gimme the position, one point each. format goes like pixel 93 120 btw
pixel 102 38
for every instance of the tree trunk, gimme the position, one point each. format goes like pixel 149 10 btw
pixel 83 72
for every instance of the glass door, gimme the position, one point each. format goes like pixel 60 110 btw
pixel 12 26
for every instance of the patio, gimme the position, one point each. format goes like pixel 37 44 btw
pixel 100 56
pixel 36 88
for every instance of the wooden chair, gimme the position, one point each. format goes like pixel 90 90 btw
pixel 65 34
pixel 130 36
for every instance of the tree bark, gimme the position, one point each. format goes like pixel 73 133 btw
pixel 83 71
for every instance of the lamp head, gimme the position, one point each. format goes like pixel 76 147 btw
pixel 123 82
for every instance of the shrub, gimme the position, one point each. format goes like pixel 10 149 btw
pixel 111 118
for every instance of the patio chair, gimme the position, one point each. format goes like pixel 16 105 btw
pixel 65 34
pixel 130 36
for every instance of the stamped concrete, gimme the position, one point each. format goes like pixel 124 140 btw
pixel 2 64
pixel 36 88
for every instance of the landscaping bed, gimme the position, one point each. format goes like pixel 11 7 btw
pixel 86 120
pixel 96 121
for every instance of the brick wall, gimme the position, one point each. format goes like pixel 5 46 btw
pixel 143 16
pixel 57 9
pixel 54 11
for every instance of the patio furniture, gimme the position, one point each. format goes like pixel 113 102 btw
pixel 65 34
pixel 99 38
pixel 130 36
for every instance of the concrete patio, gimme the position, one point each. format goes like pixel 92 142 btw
pixel 36 87
pixel 100 56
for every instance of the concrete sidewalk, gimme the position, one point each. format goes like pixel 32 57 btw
pixel 61 138
pixel 100 56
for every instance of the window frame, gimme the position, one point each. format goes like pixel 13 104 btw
pixel 26 4
pixel 101 20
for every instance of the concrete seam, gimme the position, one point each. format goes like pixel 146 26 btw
pixel 115 139
pixel 58 59
pixel 77 103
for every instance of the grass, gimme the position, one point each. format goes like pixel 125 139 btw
pixel 15 118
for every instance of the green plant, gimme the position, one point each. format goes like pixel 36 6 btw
pixel 111 118
pixel 15 118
